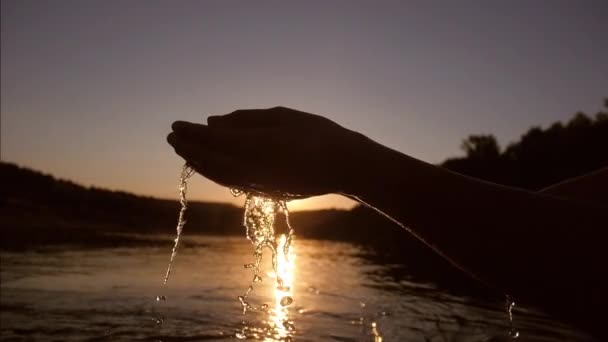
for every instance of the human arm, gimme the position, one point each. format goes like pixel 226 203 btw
pixel 544 249
pixel 536 247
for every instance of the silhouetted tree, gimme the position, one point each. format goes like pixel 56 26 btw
pixel 481 146
pixel 542 156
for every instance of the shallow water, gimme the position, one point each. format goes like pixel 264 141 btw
pixel 110 295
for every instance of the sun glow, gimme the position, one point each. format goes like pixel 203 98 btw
pixel 332 201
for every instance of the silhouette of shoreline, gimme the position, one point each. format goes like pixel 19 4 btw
pixel 39 210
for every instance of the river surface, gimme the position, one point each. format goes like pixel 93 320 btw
pixel 66 294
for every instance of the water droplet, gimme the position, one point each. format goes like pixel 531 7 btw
pixel 283 288
pixel 264 306
pixel 289 325
pixel 257 279
pixel 159 321
pixel 312 289
pixel 160 298
pixel 240 336
pixel 249 265
pixel 285 301
pixel 236 192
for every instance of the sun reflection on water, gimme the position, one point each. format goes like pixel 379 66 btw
pixel 279 320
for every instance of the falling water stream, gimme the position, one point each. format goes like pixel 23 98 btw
pixel 186 173
pixel 259 220
pixel 513 333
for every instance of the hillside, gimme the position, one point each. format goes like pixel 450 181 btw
pixel 39 209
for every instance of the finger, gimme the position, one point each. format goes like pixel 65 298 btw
pixel 226 169
pixel 246 118
pixel 238 142
pixel 189 131
pixel 218 167
pixel 202 134
pixel 171 139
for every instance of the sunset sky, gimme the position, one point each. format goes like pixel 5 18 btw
pixel 90 88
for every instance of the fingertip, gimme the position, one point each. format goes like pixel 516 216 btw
pixel 171 139
pixel 180 125
pixel 188 131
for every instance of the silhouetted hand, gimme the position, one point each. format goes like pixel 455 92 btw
pixel 506 237
pixel 277 151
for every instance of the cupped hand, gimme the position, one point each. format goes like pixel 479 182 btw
pixel 277 151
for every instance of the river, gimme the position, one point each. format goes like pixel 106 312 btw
pixel 110 294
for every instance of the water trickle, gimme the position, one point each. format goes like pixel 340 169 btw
pixel 187 172
pixel 513 333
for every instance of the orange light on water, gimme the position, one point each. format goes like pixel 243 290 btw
pixel 279 317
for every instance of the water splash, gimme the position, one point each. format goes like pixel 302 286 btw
pixel 259 220
pixel 509 304
pixel 187 172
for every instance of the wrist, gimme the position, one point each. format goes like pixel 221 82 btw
pixel 367 166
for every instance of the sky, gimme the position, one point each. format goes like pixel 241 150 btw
pixel 89 88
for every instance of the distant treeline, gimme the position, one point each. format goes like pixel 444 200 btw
pixel 541 157
pixel 36 208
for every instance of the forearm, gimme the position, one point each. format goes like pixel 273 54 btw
pixel 508 238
